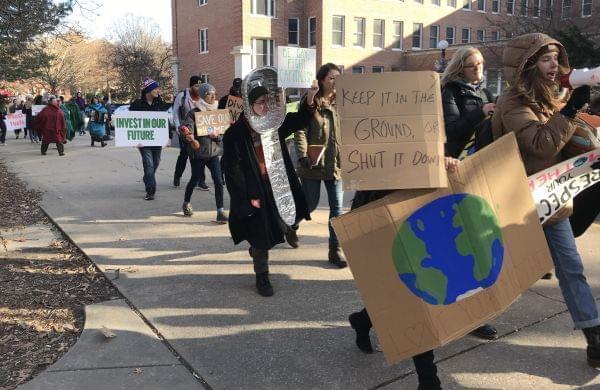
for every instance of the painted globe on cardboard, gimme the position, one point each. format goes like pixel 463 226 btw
pixel 449 249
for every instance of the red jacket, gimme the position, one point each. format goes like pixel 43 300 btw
pixel 51 123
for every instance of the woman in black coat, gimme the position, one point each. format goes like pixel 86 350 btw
pixel 466 102
pixel 253 215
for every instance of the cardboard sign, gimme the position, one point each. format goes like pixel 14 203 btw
pixel 147 128
pixel 296 66
pixel 212 122
pixel 432 265
pixel 392 132
pixel 235 106
pixel 36 108
pixel 15 121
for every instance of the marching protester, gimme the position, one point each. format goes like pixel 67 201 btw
pixel 69 132
pixel 361 322
pixel 466 102
pixel 75 115
pixel 235 90
pixel 150 100
pixel 542 115
pixel 81 103
pixel 28 111
pixel 108 107
pixel 253 215
pixel 2 128
pixel 51 124
pixel 210 148
pixel 96 112
pixel 318 153
pixel 13 108
pixel 184 102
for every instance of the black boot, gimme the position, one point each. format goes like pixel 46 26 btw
pixel 361 323
pixel 102 143
pixel 291 237
pixel 263 284
pixel 336 257
pixel 592 336
pixel 92 143
pixel 427 371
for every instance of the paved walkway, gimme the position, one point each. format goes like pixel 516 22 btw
pixel 196 290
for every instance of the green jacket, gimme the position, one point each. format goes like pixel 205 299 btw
pixel 76 118
pixel 323 129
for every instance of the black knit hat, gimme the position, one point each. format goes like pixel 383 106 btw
pixel 195 80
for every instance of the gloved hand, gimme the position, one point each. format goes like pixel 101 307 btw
pixel 305 162
pixel 578 99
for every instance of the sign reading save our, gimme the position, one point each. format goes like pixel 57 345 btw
pixel 147 128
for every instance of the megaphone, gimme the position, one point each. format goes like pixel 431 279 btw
pixel 580 77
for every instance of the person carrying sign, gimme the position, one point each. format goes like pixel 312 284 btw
pixel 235 90
pixel 50 122
pixel 542 113
pixel 210 148
pixel 150 101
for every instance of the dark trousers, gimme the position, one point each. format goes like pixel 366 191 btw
pixel 2 134
pixel 260 259
pixel 214 166
pixel 150 160
pixel 59 146
pixel 181 160
pixel 424 363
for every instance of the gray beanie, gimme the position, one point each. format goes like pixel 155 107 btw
pixel 205 89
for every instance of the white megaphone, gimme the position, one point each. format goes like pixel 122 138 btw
pixel 580 77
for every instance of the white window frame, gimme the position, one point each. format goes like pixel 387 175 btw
pixel 343 31
pixel 523 5
pixel 512 9
pixel 271 8
pixel 562 9
pixel 270 48
pixel 203 42
pixel 453 29
pixel 437 37
pixel 499 4
pixel 591 4
pixel 308 42
pixel 549 8
pixel 297 32
pixel 379 67
pixel 468 35
pixel 484 10
pixel 362 69
pixel 355 33
pixel 398 38
pixel 495 36
pixel 420 37
pixel 202 3
pixel 382 35
pixel 467 5
pixel 482 35
pixel 451 4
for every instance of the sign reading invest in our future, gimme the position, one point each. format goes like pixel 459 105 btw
pixel 147 128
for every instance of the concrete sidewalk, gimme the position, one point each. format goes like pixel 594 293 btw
pixel 197 290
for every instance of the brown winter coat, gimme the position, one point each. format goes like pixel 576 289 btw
pixel 541 134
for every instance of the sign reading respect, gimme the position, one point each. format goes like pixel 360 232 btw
pixel 147 128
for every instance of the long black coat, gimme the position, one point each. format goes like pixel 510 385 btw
pixel 263 227
pixel 462 113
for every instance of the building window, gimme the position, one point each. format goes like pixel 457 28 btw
pixel 537 8
pixel 398 35
pixel 435 2
pixel 586 8
pixel 262 52
pixel 377 69
pixel 312 32
pixel 434 36
pixel 481 5
pixel 204 78
pixel 494 82
pixel 359 32
pixel 466 5
pixel 523 8
pixel 419 1
pixel 294 31
pixel 203 36
pixel 480 35
pixel 263 7
pixel 466 35
pixel 337 31
pixel 495 35
pixel 358 69
pixel 495 6
pixel 378 33
pixel 450 32
pixel 417 41
pixel 201 2
pixel 451 3
pixel 566 9
pixel 510 7
pixel 509 35
pixel 549 8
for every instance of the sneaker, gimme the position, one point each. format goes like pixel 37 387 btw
pixel 222 217
pixel 263 284
pixel 203 187
pixel 486 332
pixel 61 154
pixel 176 181
pixel 149 196
pixel 187 209
pixel 292 238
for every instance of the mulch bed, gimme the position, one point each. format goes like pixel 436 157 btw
pixel 43 292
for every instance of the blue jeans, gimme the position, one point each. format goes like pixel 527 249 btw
pixel 569 271
pixel 335 196
pixel 150 160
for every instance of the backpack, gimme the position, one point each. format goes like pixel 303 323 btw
pixel 181 111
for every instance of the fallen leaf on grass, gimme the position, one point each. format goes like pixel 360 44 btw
pixel 107 333
pixel 138 370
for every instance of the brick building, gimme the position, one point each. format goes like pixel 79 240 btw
pixel 223 39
